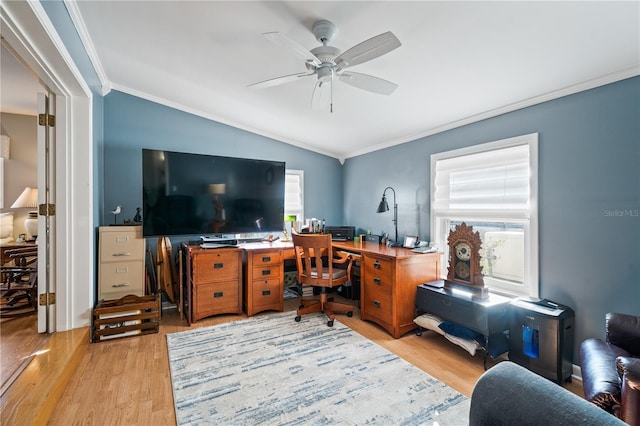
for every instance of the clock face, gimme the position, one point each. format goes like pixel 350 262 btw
pixel 463 251
pixel 462 270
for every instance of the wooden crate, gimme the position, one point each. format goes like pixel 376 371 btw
pixel 128 316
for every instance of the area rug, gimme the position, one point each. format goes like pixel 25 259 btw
pixel 271 370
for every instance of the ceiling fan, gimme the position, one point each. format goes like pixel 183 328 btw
pixel 328 63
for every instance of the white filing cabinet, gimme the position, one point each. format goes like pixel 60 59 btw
pixel 121 268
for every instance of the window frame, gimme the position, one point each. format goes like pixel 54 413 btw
pixel 528 218
pixel 300 174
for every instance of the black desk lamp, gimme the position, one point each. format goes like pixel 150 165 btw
pixel 384 207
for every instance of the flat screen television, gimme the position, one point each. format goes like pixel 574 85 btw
pixel 211 196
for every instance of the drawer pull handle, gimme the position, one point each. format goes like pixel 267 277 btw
pixel 376 303
pixel 122 239
pixel 218 265
pixel 120 285
pixel 376 281
pixel 218 294
pixel 122 254
pixel 266 272
pixel 376 265
pixel 266 258
pixel 266 292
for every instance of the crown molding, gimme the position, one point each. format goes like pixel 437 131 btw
pixel 81 28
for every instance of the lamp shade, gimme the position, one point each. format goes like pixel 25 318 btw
pixel 217 188
pixel 5 145
pixel 383 206
pixel 28 199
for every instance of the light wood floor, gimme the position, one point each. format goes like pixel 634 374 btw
pixel 127 381
pixel 19 339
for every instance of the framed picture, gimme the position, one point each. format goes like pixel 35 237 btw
pixel 410 241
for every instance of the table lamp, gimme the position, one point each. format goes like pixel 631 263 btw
pixel 384 207
pixel 29 199
pixel 288 218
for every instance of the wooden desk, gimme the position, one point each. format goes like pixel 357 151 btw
pixel 263 275
pixel 389 280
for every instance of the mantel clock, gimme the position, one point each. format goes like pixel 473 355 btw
pixel 464 260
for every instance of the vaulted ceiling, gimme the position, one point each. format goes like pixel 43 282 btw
pixel 459 62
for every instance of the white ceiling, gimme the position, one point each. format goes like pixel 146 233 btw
pixel 459 61
pixel 18 87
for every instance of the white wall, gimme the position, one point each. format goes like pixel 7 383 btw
pixel 22 166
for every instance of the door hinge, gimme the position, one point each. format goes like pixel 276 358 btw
pixel 47 120
pixel 47 209
pixel 47 299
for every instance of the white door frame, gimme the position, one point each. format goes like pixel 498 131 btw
pixel 27 28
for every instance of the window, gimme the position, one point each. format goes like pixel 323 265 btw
pixel 494 188
pixel 294 194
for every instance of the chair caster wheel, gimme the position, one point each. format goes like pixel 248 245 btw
pixel 329 323
pixel 418 332
pixel 350 314
pixel 298 318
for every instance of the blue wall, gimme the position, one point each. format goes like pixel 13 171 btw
pixel 132 123
pixel 589 156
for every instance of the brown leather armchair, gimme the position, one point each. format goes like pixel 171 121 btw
pixel 611 368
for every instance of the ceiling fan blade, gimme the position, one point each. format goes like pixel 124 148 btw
pixel 321 97
pixel 278 80
pixel 284 41
pixel 368 82
pixel 368 50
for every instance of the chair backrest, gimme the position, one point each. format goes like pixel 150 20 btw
pixel 310 250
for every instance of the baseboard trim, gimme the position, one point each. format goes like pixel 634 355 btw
pixel 33 396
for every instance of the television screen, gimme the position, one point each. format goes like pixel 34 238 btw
pixel 211 196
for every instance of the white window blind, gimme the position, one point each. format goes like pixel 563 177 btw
pixel 492 187
pixel 493 180
pixel 294 193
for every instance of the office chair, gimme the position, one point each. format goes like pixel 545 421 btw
pixel 316 261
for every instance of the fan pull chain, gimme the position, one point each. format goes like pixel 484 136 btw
pixel 331 104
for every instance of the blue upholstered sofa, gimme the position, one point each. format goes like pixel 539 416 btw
pixel 508 394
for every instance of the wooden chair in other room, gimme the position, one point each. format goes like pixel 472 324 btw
pixel 316 261
pixel 19 283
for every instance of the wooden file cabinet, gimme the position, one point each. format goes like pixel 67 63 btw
pixel 214 281
pixel 264 277
pixel 121 268
pixel 389 284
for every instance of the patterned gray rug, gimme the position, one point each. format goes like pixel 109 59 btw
pixel 271 370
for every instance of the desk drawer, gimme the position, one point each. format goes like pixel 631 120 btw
pixel 266 292
pixel 379 271
pixel 267 258
pixel 266 271
pixel 216 266
pixel 216 298
pixel 378 303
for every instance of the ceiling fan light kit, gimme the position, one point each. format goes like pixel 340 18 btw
pixel 327 62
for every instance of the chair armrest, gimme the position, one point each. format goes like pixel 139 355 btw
pixel 600 379
pixel 630 399
pixel 341 256
pixel 624 331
